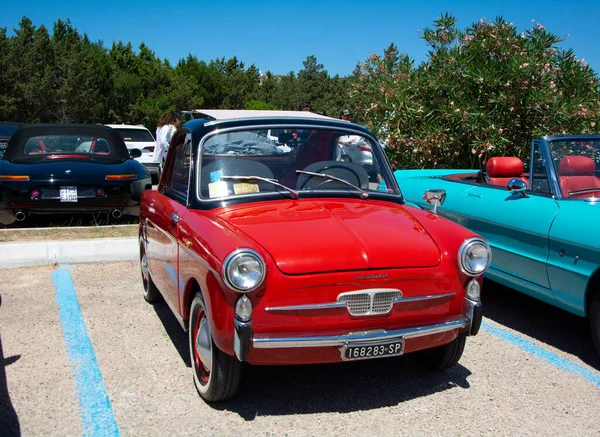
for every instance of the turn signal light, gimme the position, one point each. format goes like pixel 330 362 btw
pixel 9 177
pixel 118 177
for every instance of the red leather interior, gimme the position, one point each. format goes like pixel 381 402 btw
pixel 501 169
pixel 577 173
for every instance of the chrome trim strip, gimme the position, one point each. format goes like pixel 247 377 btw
pixel 333 305
pixel 320 306
pixel 423 298
pixel 266 342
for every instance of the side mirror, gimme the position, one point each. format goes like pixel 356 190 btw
pixel 517 186
pixel 435 197
pixel 135 153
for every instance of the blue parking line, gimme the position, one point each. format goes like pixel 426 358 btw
pixel 97 413
pixel 543 354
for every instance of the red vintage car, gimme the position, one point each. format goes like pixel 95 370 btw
pixel 271 247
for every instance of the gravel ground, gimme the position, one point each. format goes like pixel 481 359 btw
pixel 497 389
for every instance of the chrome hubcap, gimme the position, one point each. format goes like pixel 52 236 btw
pixel 204 345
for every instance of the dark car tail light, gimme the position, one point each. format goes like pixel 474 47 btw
pixel 100 192
pixel 150 148
pixel 9 177
pixel 34 194
pixel 364 148
pixel 119 177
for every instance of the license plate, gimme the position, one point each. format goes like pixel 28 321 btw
pixel 368 351
pixel 68 194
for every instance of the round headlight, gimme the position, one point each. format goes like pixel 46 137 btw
pixel 243 270
pixel 474 256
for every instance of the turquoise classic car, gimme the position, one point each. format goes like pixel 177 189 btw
pixel 542 222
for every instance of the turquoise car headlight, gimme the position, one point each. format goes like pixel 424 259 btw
pixel 474 256
pixel 244 270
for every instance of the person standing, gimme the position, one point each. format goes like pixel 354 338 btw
pixel 164 132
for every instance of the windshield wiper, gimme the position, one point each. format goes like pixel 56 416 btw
pixel 293 193
pixel 363 194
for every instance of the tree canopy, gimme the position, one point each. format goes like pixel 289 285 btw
pixel 485 90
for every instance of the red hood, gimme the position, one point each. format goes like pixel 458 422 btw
pixel 314 236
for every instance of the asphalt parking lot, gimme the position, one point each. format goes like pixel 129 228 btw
pixel 81 352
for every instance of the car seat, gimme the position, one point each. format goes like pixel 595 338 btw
pixel 99 147
pixel 35 146
pixel 577 173
pixel 501 169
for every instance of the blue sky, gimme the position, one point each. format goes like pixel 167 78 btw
pixel 279 35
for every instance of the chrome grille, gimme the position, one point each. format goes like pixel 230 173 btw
pixel 369 302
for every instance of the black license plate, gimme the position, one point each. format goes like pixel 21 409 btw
pixel 368 351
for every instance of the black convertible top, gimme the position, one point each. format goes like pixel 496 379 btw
pixel 14 149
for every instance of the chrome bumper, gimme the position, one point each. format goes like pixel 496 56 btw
pixel 270 342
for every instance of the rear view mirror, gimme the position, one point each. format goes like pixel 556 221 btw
pixel 135 153
pixel 435 197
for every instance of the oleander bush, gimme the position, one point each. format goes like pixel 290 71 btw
pixel 484 91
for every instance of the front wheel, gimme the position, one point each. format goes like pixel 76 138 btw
pixel 443 357
pixel 595 320
pixel 216 375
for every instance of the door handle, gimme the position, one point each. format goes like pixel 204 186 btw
pixel 174 219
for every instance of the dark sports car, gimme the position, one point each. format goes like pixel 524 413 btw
pixel 66 169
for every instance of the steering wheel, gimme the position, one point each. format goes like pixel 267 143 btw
pixel 359 173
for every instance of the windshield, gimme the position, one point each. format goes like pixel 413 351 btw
pixel 293 161
pixel 577 166
pixel 141 135
pixel 56 146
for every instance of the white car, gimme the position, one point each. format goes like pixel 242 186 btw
pixel 138 137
